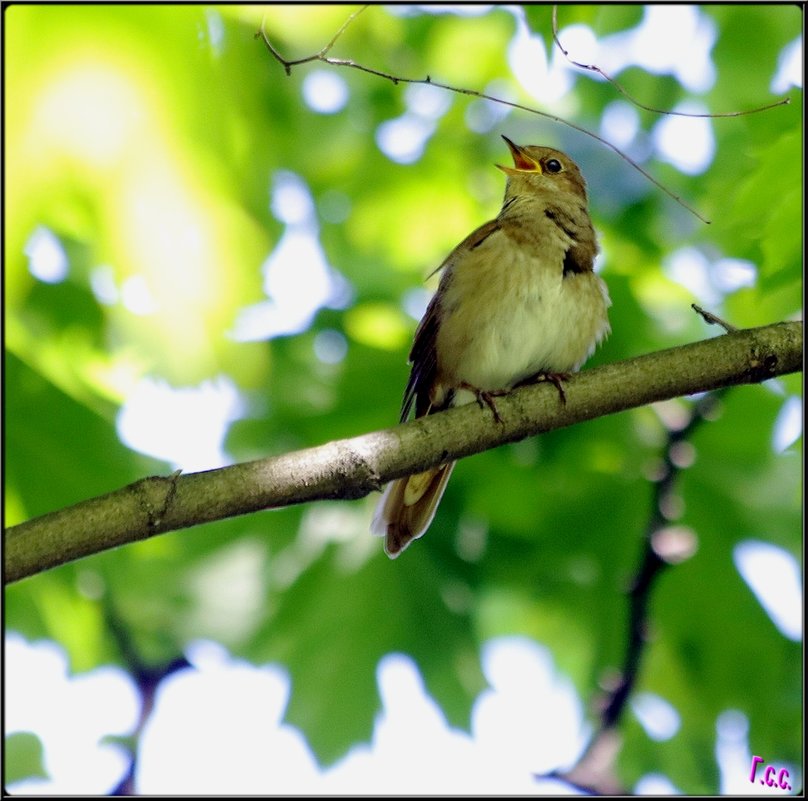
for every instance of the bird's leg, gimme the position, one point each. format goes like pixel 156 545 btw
pixel 486 397
pixel 554 378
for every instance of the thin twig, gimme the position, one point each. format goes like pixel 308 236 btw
pixel 711 319
pixel 338 62
pixel 342 30
pixel 595 68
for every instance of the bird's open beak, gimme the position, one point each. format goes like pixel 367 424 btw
pixel 521 161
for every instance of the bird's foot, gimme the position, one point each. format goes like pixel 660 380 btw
pixel 486 397
pixel 555 379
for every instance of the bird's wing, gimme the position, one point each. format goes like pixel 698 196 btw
pixel 423 356
pixel 473 240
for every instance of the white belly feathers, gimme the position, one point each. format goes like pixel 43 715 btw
pixel 519 319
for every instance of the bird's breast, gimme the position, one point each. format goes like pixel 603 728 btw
pixel 510 313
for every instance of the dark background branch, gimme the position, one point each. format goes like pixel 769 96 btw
pixel 595 771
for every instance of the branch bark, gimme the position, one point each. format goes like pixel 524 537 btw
pixel 351 468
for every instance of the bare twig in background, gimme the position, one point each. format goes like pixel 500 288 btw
pixel 322 55
pixel 595 68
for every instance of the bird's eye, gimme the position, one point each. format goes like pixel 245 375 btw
pixel 553 165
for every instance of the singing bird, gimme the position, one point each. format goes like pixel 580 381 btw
pixel 518 301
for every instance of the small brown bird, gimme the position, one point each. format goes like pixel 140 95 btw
pixel 518 302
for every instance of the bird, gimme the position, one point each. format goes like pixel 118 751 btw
pixel 518 301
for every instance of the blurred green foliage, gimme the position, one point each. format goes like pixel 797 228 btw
pixel 148 140
pixel 23 755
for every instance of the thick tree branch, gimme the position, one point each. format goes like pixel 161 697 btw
pixel 352 468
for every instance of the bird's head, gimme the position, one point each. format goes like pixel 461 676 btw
pixel 538 169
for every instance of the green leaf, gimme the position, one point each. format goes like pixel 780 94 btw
pixel 23 757
pixel 335 623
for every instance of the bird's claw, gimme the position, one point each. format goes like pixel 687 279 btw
pixel 555 379
pixel 486 397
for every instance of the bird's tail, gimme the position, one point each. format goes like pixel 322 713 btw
pixel 407 507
